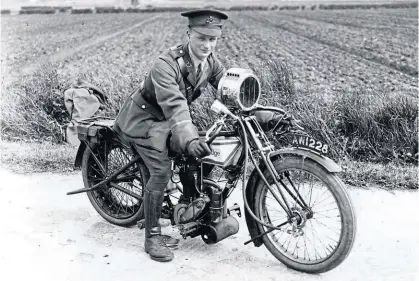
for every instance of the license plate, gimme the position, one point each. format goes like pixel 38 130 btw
pixel 310 143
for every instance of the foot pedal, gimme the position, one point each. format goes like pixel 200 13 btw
pixel 141 224
pixel 234 209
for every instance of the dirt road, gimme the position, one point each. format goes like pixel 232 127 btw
pixel 47 235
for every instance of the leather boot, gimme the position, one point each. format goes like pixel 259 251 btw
pixel 154 243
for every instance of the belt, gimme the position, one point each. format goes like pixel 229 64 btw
pixel 141 100
pixel 141 90
pixel 142 85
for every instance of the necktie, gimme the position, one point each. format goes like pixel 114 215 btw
pixel 198 72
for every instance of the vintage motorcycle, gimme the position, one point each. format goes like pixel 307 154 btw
pixel 294 202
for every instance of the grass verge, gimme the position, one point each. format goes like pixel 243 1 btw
pixel 360 126
pixel 391 176
pixel 35 157
pixel 22 158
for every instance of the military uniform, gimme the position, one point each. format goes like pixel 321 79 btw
pixel 160 105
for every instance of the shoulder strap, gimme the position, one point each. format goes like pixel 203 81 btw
pixel 177 54
pixel 182 65
pixel 188 85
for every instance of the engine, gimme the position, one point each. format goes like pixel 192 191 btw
pixel 201 209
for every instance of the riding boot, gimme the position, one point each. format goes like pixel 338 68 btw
pixel 154 243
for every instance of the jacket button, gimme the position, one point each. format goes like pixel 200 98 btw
pixel 143 106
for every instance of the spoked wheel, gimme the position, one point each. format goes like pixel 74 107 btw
pixel 321 232
pixel 115 206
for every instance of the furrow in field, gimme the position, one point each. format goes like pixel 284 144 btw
pixel 258 46
pixel 387 46
pixel 408 28
pixel 382 17
pixel 352 42
pixel 321 66
pixel 254 49
pixel 395 15
pixel 57 57
pixel 129 56
pixel 236 49
pixel 28 39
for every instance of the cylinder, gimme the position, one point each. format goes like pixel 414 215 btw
pixel 216 204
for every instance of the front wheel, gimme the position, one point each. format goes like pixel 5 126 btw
pixel 322 231
pixel 113 205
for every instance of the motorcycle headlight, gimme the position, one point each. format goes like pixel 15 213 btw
pixel 239 87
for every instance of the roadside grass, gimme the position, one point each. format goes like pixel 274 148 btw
pixel 35 157
pixel 391 176
pixel 33 109
pixel 361 128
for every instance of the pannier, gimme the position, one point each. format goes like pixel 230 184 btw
pixel 83 100
pixel 95 130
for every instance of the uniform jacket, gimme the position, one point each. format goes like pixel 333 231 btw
pixel 161 104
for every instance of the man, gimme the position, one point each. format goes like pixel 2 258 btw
pixel 160 106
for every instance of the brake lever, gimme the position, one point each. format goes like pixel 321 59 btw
pixel 218 125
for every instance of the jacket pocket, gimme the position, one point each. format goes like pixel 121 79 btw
pixel 133 121
pixel 138 99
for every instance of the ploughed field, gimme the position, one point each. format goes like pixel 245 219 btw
pixel 328 51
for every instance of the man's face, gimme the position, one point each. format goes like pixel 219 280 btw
pixel 202 45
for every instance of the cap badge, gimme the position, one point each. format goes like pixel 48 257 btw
pixel 210 19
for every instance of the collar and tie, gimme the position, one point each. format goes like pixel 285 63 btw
pixel 198 64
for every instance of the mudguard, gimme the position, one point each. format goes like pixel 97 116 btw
pixel 254 179
pixel 326 162
pixel 252 226
pixel 94 130
pixel 79 155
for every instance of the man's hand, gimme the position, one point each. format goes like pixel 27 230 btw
pixel 199 148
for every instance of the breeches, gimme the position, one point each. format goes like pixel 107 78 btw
pixel 158 165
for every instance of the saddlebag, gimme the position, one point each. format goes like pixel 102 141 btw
pixel 95 130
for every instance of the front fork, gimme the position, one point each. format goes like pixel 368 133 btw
pixel 266 150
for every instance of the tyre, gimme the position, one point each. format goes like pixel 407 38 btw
pixel 323 231
pixel 112 204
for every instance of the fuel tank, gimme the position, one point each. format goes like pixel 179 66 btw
pixel 226 151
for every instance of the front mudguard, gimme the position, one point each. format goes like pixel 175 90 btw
pixel 254 179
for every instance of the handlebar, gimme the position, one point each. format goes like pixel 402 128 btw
pixel 212 138
pixel 218 125
pixel 268 108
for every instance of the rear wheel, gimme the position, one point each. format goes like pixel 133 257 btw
pixel 113 205
pixel 323 231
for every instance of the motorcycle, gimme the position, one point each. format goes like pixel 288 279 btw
pixel 294 202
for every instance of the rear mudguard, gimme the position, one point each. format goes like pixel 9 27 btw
pixel 254 179
pixel 79 155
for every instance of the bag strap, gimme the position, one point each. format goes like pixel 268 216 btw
pixel 177 54
pixel 184 72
